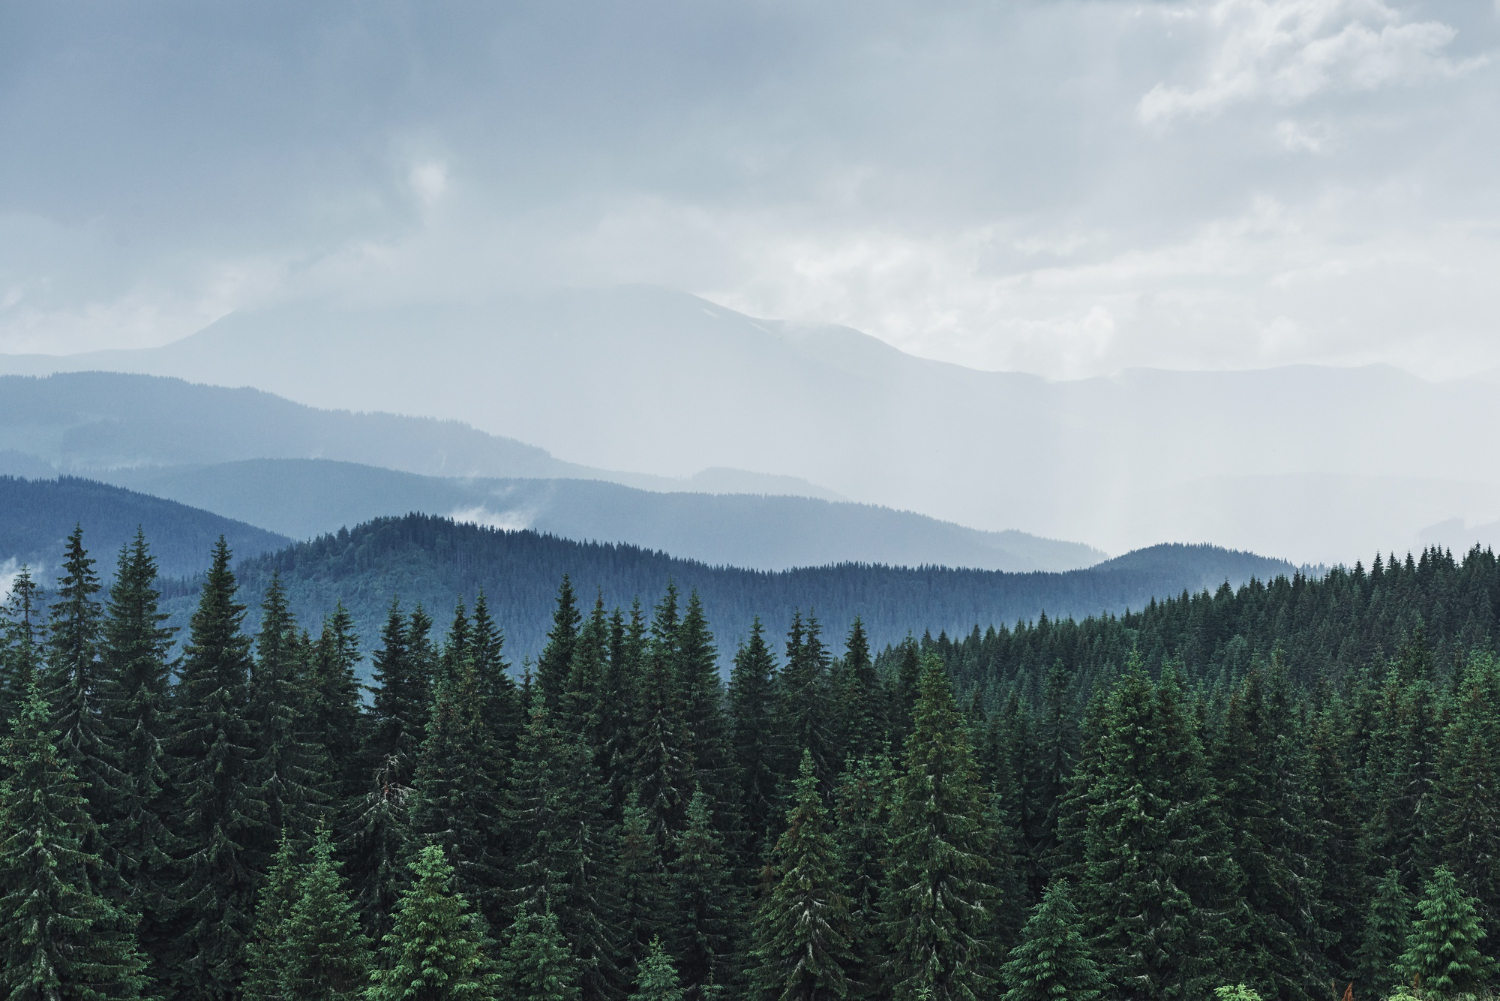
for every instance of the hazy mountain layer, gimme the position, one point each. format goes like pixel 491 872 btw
pixel 1291 460
pixel 308 497
pixel 36 516
pixel 435 562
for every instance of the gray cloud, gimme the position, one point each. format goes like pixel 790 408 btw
pixel 1066 188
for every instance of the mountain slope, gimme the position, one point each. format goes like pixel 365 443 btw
pixel 37 515
pixel 308 497
pixel 435 562
pixel 1283 460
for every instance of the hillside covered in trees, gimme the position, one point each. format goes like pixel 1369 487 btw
pixel 436 563
pixel 1287 787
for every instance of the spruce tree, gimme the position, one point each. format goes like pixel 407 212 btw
pixel 20 660
pixel 290 769
pixel 705 725
pixel 663 765
pixel 335 712
pixel 859 696
pixel 1387 922
pixel 219 818
pixel 708 907
pixel 1442 950
pixel 1465 833
pixel 644 894
pixel 436 948
pixel 802 702
pixel 59 937
pixel 265 954
pixel 553 666
pixel 535 964
pixel 135 657
pixel 753 741
pixel 658 979
pixel 940 895
pixel 325 954
pixel 802 928
pixel 1158 879
pixel 1053 960
pixel 503 713
pixel 862 804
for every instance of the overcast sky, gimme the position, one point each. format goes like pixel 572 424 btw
pixel 1057 187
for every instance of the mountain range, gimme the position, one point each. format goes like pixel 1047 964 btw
pixel 1317 464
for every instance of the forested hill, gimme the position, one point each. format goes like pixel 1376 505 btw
pixel 37 515
pixel 436 562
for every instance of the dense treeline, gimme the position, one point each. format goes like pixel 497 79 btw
pixel 1291 787
pixel 436 561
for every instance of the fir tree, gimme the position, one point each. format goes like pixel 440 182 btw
pixel 553 665
pixel 21 655
pixel 644 893
pixel 802 928
pixel 59 937
pixel 1053 960
pixel 503 712
pixel 940 893
pixel 289 767
pixel 753 740
pixel 859 695
pixel 535 963
pixel 802 697
pixel 708 906
pixel 134 654
pixel 1385 929
pixel 1158 877
pixel 705 725
pixel 658 979
pixel 435 950
pixel 325 955
pixel 1465 831
pixel 1442 950
pixel 862 802
pixel 219 819
pixel 265 955
pixel 663 765
pixel 335 710
pixel 75 686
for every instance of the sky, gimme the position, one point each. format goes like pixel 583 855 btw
pixel 1064 188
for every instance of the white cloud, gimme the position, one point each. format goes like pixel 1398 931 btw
pixel 506 521
pixel 1289 51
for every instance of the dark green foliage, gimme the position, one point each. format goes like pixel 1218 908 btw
pixel 644 893
pixel 802 714
pixel 134 655
pixel 753 741
pixel 862 805
pixel 802 926
pixel 705 724
pixel 707 904
pixel 1465 832
pixel 335 717
pixel 265 955
pixel 553 666
pixel 1442 950
pixel 1387 923
pixel 292 771
pixel 325 955
pixel 1053 961
pixel 59 937
pixel 663 764
pixel 658 980
pixel 535 964
pixel 860 698
pixel 20 662
pixel 1158 877
pixel 436 949
pixel 218 819
pixel 940 894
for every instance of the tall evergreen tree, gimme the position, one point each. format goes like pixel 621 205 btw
pixel 59 937
pixel 940 894
pixel 862 802
pixel 1158 876
pixel 1465 831
pixel 135 656
pixel 326 956
pixel 289 768
pixel 1053 960
pixel 535 964
pixel 802 710
pixel 75 685
pixel 21 661
pixel 658 979
pixel 705 724
pixel 663 763
pixel 436 948
pixel 1442 950
pixel 753 741
pixel 265 954
pixel 644 894
pixel 802 928
pixel 335 712
pixel 219 819
pixel 859 695
pixel 553 665
pixel 503 714
pixel 1387 923
pixel 708 907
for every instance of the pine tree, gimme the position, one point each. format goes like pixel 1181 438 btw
pixel 940 895
pixel 553 665
pixel 617 711
pixel 1053 960
pixel 335 712
pixel 658 979
pixel 436 948
pixel 218 817
pixel 802 929
pixel 265 955
pixel 75 685
pixel 134 654
pixel 59 937
pixel 1465 831
pixel 663 766
pixel 705 725
pixel 708 907
pixel 802 701
pixel 644 895
pixel 21 659
pixel 1157 875
pixel 326 956
pixel 753 741
pixel 535 963
pixel 566 858
pixel 1442 950
pixel 1386 926
pixel 904 693
pixel 503 713
pixel 862 801
pixel 1057 753
pixel 289 768
pixel 859 694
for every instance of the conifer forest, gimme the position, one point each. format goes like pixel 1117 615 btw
pixel 1287 791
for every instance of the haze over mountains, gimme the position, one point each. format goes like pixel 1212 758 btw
pixel 1314 464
